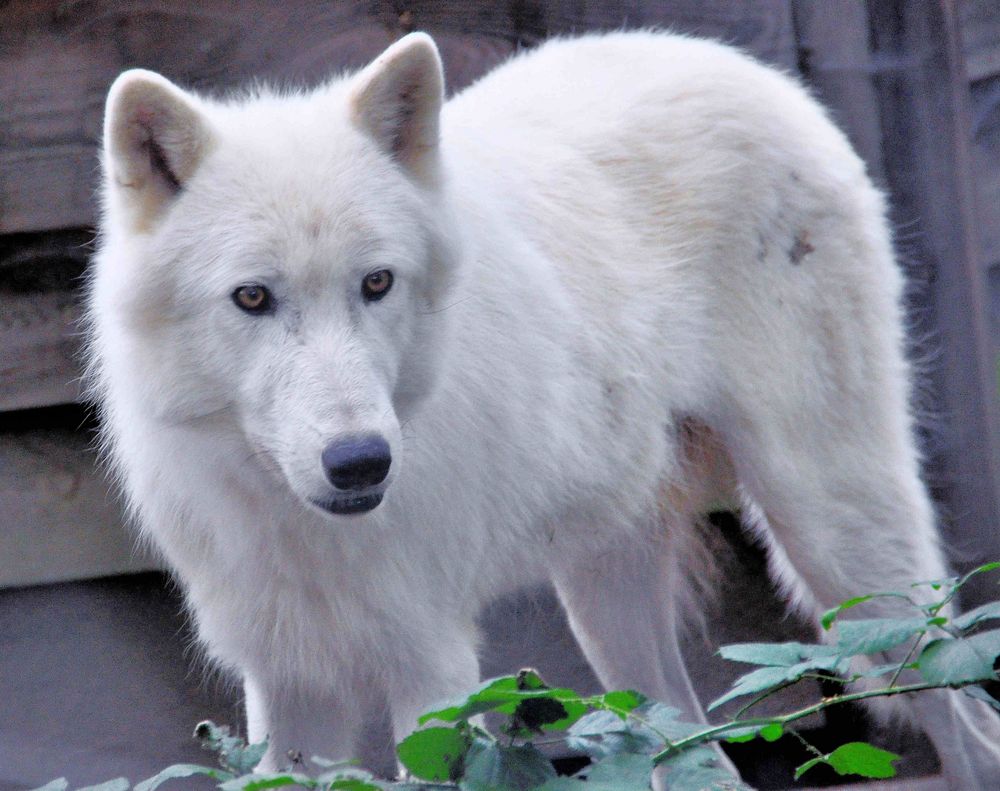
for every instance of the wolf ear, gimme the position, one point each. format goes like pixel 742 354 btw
pixel 397 101
pixel 154 139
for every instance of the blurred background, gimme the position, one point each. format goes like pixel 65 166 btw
pixel 97 674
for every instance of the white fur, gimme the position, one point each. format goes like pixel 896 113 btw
pixel 634 274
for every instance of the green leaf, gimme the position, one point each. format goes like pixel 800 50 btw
pixel 341 772
pixel 61 784
pixel 775 654
pixel 803 768
pixel 987 612
pixel 421 786
pixel 547 714
pixel 495 767
pixel 434 753
pixel 234 753
pixel 697 769
pixel 499 694
pixel 960 660
pixel 342 776
pixel 602 733
pixel 353 784
pixel 259 782
pixel 861 758
pixel 529 679
pixel 118 784
pixel 760 680
pixel 563 784
pixel 181 770
pixel 872 635
pixel 625 772
pixel 242 758
pixel 656 720
pixel 740 735
pixel 620 701
pixel 772 732
pixel 855 758
pixel 831 615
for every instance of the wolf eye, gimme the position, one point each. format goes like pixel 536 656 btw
pixel 376 285
pixel 253 298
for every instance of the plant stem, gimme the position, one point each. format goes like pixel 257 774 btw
pixel 716 730
pixel 805 743
pixel 906 660
pixel 764 696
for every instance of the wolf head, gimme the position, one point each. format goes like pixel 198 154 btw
pixel 277 266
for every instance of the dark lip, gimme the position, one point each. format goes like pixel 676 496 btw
pixel 358 504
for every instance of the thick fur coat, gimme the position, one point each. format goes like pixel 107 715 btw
pixel 629 276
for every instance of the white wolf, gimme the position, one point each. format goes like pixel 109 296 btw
pixel 367 359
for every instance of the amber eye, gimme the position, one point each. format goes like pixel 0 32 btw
pixel 376 285
pixel 253 298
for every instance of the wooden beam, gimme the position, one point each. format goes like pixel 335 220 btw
pixel 980 21
pixel 59 521
pixel 57 60
pixel 922 86
pixel 40 275
pixel 833 59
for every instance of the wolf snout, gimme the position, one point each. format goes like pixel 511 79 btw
pixel 356 463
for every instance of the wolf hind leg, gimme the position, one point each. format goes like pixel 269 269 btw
pixel 846 513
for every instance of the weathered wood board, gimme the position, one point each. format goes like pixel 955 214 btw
pixel 923 100
pixel 57 60
pixel 57 520
pixel 980 20
pixel 40 278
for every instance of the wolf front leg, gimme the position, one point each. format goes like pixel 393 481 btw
pixel 430 671
pixel 622 607
pixel 304 723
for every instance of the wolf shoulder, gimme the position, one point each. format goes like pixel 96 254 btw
pixel 619 86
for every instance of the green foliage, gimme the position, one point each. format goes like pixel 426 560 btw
pixel 435 753
pixel 949 661
pixel 855 758
pixel 627 736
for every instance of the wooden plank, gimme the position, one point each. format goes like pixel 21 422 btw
pixel 980 29
pixel 58 58
pixel 59 522
pixel 764 27
pixel 38 366
pixel 39 279
pixel 986 158
pixel 925 116
pixel 833 58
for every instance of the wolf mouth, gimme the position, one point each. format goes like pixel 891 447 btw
pixel 349 505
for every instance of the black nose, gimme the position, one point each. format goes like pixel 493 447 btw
pixel 357 462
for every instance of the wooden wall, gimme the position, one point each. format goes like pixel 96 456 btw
pixel 893 71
